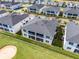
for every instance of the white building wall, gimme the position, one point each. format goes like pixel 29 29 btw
pixel 55 12
pixel 41 10
pixel 24 33
pixel 44 39
pixel 50 40
pixel 78 16
pixel 64 36
pixel 66 15
pixel 73 47
pixel 19 25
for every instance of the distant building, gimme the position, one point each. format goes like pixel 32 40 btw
pixel 71 12
pixel 39 29
pixel 71 37
pixel 34 8
pixel 40 1
pixel 13 22
pixel 51 10
pixel 31 1
pixel 10 5
pixel 43 1
pixel 23 1
pixel 70 4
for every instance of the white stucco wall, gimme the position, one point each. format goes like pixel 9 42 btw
pixel 44 39
pixel 73 47
pixel 50 41
pixel 19 25
pixel 55 12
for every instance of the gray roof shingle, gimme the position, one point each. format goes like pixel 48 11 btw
pixel 72 32
pixel 42 26
pixel 12 19
pixel 71 10
pixel 8 3
pixel 37 6
pixel 51 8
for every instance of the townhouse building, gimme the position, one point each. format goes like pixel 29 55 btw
pixel 13 22
pixel 10 5
pixel 71 12
pixel 50 10
pixel 34 8
pixel 71 37
pixel 40 29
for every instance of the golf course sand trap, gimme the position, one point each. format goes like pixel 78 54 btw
pixel 8 52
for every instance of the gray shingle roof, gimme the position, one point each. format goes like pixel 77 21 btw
pixel 2 11
pixel 8 3
pixel 72 32
pixel 12 19
pixel 42 26
pixel 71 10
pixel 51 8
pixel 37 6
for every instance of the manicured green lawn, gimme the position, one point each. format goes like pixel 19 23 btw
pixel 29 51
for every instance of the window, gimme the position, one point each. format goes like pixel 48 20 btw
pixel 48 11
pixel 5 25
pixel 70 43
pixel 47 37
pixel 26 21
pixel 11 30
pixel 76 51
pixel 32 9
pixel 10 26
pixel 39 39
pixel 25 34
pixel 40 35
pixel 24 30
pixel 32 37
pixel 78 46
pixel 68 48
pixel 0 24
pixel 31 32
pixel 52 11
pixel 6 29
pixel 69 14
pixel 75 15
pixel 47 41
